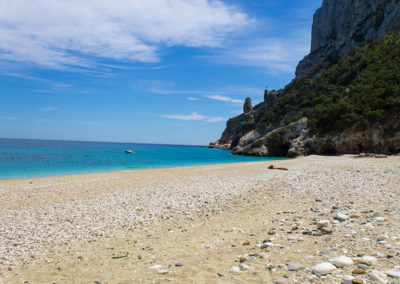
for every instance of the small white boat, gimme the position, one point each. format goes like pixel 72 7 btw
pixel 129 151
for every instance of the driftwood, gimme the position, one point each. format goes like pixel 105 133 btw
pixel 120 256
pixel 272 167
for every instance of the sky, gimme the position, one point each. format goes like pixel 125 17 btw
pixel 144 71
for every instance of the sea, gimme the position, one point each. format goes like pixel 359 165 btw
pixel 23 158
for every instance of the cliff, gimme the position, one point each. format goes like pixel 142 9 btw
pixel 345 99
pixel 341 25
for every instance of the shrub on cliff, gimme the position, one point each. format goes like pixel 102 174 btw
pixel 360 90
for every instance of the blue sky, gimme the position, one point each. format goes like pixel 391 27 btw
pixel 153 71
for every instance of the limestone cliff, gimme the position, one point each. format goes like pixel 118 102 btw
pixel 334 106
pixel 341 25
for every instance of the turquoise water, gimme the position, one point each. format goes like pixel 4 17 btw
pixel 20 158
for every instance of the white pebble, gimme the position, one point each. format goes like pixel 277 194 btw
pixel 341 261
pixel 378 276
pixel 393 273
pixel 234 269
pixel 341 217
pixel 324 268
pixel 368 260
pixel 156 267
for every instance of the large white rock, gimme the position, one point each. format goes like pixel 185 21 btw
pixel 368 260
pixel 324 268
pixel 378 277
pixel 341 217
pixel 348 279
pixel 393 273
pixel 323 223
pixel 155 267
pixel 234 269
pixel 294 266
pixel 244 267
pixel 280 280
pixel 341 261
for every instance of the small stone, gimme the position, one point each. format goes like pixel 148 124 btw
pixel 243 258
pixel 378 276
pixel 393 273
pixel 368 260
pixel 348 279
pixel 244 267
pixel 272 232
pixel 325 252
pixel 267 245
pixel 313 278
pixel 162 271
pixel 358 281
pixel 363 266
pixel 293 266
pixel 322 224
pixel 341 261
pixel 327 230
pixel 280 280
pixel 358 271
pixel 246 243
pixel 234 269
pixel 155 267
pixel 324 268
pixel 179 264
pixel 341 217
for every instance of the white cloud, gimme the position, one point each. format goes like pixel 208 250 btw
pixel 215 119
pixel 10 118
pixel 49 109
pixel 192 99
pixel 62 33
pixel 194 116
pixel 276 55
pixel 91 123
pixel 224 99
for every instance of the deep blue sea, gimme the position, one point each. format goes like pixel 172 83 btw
pixel 20 158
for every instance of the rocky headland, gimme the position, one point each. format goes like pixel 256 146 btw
pixel 345 97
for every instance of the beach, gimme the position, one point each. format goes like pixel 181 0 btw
pixel 227 223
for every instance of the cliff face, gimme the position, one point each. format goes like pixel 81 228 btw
pixel 341 25
pixel 332 107
pixel 238 128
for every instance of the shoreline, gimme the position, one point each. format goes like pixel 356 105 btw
pixel 201 216
pixel 140 169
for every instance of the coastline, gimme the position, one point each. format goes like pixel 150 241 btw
pixel 61 229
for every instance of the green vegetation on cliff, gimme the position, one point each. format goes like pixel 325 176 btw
pixel 357 92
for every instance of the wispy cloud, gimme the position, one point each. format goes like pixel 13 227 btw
pixel 194 116
pixel 221 93
pixel 75 35
pixel 275 55
pixel 10 118
pixel 192 99
pixel 41 120
pixel 49 109
pixel 50 85
pixel 224 99
pixel 94 123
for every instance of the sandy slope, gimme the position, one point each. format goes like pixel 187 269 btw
pixel 112 228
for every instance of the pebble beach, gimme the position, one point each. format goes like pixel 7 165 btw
pixel 323 220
